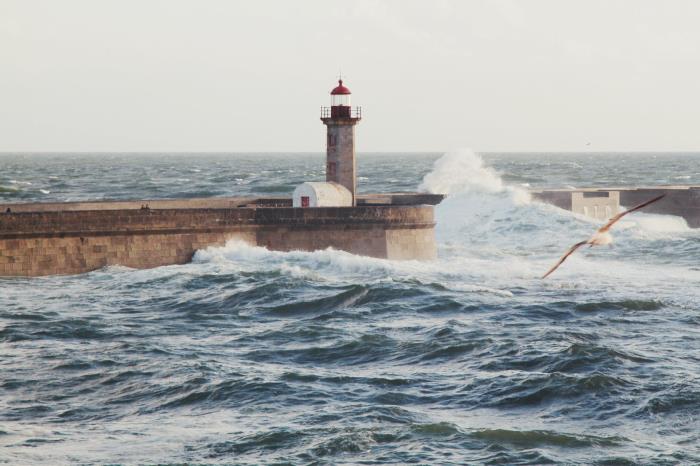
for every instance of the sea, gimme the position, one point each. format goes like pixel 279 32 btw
pixel 248 356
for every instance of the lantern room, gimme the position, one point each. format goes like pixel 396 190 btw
pixel 340 95
pixel 340 101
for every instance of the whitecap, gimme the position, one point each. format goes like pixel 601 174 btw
pixel 461 171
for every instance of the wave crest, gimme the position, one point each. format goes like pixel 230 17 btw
pixel 460 171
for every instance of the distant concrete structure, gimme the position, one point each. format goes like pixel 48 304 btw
pixel 600 205
pixel 319 194
pixel 340 120
pixel 681 201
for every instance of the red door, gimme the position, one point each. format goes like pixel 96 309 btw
pixel 305 201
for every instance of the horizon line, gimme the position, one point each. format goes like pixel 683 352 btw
pixel 417 152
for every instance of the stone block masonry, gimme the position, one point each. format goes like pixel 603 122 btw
pixel 47 242
pixel 340 155
pixel 78 254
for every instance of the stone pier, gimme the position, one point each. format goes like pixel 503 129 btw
pixel 68 238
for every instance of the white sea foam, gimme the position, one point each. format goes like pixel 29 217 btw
pixel 482 289
pixel 661 223
pixel 461 171
pixel 247 257
pixel 331 265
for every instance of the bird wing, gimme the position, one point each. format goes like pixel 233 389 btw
pixel 564 257
pixel 617 217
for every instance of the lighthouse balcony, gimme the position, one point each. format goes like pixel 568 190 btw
pixel 341 111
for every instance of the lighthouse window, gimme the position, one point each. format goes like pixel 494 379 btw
pixel 331 168
pixel 341 99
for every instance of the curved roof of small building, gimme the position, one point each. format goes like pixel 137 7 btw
pixel 325 187
pixel 340 89
pixel 322 194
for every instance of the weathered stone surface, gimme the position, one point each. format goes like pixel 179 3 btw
pixel 417 243
pixel 340 152
pixel 67 255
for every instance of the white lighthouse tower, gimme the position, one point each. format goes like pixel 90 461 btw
pixel 339 189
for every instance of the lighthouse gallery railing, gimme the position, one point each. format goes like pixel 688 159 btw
pixel 341 111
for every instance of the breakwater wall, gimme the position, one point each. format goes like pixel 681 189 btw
pixel 601 203
pixel 74 238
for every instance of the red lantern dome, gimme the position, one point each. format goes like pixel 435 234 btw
pixel 340 89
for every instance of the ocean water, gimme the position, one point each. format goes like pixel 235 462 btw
pixel 247 356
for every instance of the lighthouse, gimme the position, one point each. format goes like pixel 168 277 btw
pixel 339 188
pixel 340 120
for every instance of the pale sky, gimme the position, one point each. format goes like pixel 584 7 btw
pixel 228 75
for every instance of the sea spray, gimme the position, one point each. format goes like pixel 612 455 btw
pixel 478 202
pixel 461 171
pixel 485 223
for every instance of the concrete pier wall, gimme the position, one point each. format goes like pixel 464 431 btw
pixel 74 241
pixel 681 201
pixel 600 205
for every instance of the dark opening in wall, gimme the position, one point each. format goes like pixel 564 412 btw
pixel 596 194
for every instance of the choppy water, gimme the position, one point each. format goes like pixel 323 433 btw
pixel 247 356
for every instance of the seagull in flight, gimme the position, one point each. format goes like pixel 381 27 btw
pixel 600 237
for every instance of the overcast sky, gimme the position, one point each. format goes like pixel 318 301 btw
pixel 208 75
